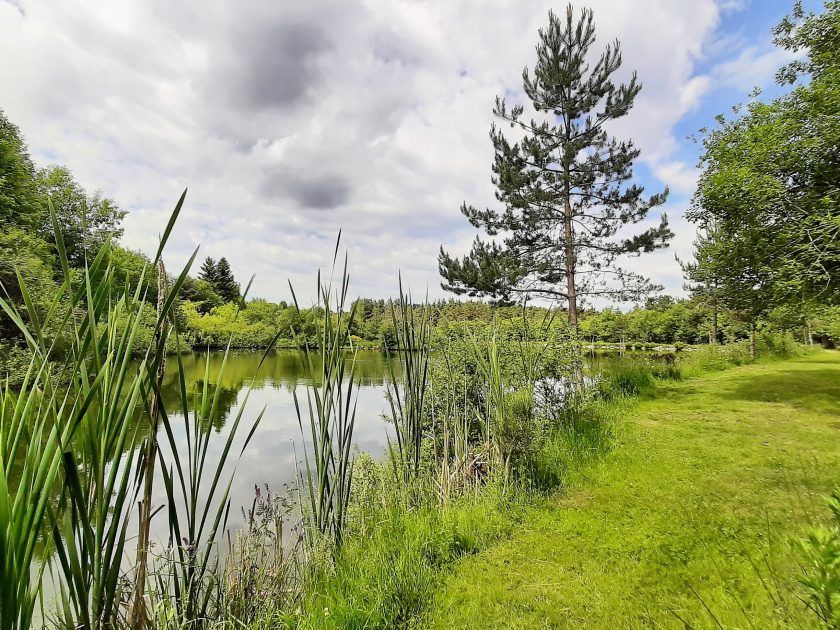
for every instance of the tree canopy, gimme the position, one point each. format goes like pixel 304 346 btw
pixel 20 204
pixel 86 221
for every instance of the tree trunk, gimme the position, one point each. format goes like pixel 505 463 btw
pixel 714 323
pixel 138 605
pixel 752 342
pixel 570 254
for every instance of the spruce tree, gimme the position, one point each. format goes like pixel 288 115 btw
pixel 208 272
pixel 225 284
pixel 565 184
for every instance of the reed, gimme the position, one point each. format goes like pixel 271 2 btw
pixel 77 446
pixel 80 423
pixel 407 395
pixel 492 411
pixel 330 413
pixel 31 444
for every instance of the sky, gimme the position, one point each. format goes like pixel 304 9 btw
pixel 289 121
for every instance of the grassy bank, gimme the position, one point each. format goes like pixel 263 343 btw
pixel 687 522
pixel 402 542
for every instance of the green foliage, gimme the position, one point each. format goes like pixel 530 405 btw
pixel 20 204
pixel 775 216
pixel 821 570
pixel 86 221
pixel 564 184
pixel 133 269
pixel 826 325
pixel 659 323
pixel 202 293
pixel 24 255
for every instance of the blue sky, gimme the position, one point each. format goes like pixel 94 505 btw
pixel 747 27
pixel 289 121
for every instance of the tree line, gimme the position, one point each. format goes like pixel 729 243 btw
pixel 767 203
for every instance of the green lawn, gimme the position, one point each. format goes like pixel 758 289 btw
pixel 695 507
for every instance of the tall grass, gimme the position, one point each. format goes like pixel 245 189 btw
pixel 31 443
pixel 407 394
pixel 492 410
pixel 91 432
pixel 71 470
pixel 330 412
pixel 450 421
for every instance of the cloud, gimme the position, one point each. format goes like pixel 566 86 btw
pixel 274 66
pixel 681 176
pixel 290 122
pixel 320 193
pixel 753 66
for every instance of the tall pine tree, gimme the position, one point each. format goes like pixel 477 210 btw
pixel 565 184
pixel 225 285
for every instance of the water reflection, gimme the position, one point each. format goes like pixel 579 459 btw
pixel 276 447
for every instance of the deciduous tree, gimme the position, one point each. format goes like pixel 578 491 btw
pixel 20 204
pixel 86 221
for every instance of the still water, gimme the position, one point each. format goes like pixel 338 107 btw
pixel 274 453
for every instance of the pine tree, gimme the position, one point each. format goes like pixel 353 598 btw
pixel 208 271
pixel 225 284
pixel 565 184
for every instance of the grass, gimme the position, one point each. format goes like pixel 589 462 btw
pixel 689 521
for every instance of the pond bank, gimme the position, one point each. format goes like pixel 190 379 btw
pixel 689 516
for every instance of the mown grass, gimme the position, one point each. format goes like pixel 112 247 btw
pixel 690 521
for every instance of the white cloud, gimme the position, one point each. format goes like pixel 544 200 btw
pixel 681 176
pixel 752 67
pixel 289 122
